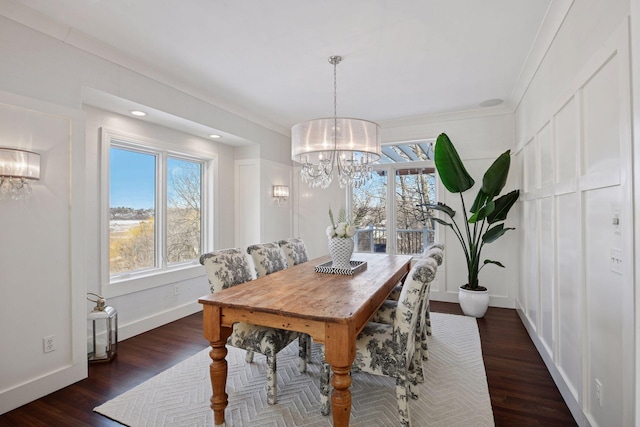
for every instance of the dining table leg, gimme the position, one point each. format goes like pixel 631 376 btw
pixel 218 374
pixel 340 351
pixel 341 395
pixel 217 336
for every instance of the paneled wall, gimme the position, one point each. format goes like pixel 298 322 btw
pixel 576 289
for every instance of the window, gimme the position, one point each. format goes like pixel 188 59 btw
pixel 389 210
pixel 155 210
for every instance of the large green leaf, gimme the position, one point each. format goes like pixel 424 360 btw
pixel 483 212
pixel 496 176
pixel 494 233
pixel 450 168
pixel 481 199
pixel 442 208
pixel 490 261
pixel 442 222
pixel 503 205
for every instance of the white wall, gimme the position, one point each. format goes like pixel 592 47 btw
pixel 260 218
pixel 311 212
pixel 573 134
pixel 49 247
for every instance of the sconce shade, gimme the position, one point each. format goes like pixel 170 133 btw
pixel 19 164
pixel 280 191
pixel 17 167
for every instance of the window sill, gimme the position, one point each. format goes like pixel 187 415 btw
pixel 152 280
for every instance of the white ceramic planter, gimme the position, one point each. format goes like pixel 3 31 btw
pixel 473 303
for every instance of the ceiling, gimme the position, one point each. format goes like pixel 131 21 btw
pixel 267 59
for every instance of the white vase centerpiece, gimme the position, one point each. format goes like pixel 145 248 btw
pixel 340 236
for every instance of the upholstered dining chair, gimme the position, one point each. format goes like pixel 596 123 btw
pixel 295 251
pixel 435 252
pixel 390 350
pixel 269 258
pixel 231 267
pixel 387 313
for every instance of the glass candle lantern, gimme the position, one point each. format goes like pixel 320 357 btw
pixel 103 331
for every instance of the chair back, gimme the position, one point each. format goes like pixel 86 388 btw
pixel 435 252
pixel 267 258
pixel 295 251
pixel 409 306
pixel 228 267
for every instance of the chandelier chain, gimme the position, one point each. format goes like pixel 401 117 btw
pixel 335 60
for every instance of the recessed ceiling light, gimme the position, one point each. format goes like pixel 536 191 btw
pixel 138 113
pixel 491 102
pixel 214 136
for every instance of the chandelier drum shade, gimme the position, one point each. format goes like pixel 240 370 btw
pixel 17 167
pixel 349 145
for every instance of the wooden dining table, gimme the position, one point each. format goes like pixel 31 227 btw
pixel 332 308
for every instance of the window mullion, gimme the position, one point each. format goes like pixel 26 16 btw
pixel 391 210
pixel 161 222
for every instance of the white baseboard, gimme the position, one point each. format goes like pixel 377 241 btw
pixel 39 387
pixel 54 381
pixel 565 391
pixel 143 325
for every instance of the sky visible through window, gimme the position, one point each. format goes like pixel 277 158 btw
pixel 132 179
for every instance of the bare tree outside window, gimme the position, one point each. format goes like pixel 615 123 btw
pixel 413 188
pixel 184 195
pixel 369 211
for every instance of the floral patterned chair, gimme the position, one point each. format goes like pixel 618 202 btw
pixel 390 349
pixel 230 267
pixel 295 251
pixel 435 252
pixel 387 313
pixel 267 258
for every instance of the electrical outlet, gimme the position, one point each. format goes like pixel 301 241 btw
pixel 599 391
pixel 615 262
pixel 49 344
pixel 176 290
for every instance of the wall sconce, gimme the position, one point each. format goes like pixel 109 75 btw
pixel 16 168
pixel 280 193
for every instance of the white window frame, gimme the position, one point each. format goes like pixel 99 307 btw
pixel 164 273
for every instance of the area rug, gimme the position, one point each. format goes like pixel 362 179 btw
pixel 454 392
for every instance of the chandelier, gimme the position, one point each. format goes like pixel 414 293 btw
pixel 349 145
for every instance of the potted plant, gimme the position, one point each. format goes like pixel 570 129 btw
pixel 483 224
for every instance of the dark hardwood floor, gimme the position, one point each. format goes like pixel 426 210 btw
pixel 522 391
